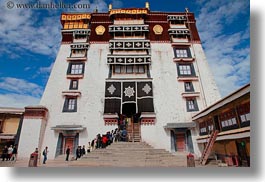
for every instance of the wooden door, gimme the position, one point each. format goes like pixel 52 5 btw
pixel 69 142
pixel 180 142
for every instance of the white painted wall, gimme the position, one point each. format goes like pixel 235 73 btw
pixel 29 137
pixel 90 105
pixel 208 85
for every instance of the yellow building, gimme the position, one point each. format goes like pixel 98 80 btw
pixel 226 124
pixel 10 122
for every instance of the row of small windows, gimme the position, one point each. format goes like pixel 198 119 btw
pixel 80 36
pixel 129 69
pixel 70 105
pixel 228 120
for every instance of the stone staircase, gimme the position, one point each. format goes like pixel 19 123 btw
pixel 130 154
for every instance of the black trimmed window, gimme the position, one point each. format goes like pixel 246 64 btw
pixel 78 52
pixel 182 53
pixel 76 68
pixel 80 36
pixel 140 69
pixel 206 127
pixel 129 69
pixel 203 128
pixel 228 120
pixel 70 105
pixel 186 70
pixel 73 85
pixel 191 104
pixel 210 126
pixel 188 86
pixel 243 111
pixel 118 69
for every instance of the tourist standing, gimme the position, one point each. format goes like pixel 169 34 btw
pixel 83 152
pixel 14 154
pixel 78 152
pixel 45 153
pixel 88 147
pixel 67 153
pixel 4 154
pixel 9 152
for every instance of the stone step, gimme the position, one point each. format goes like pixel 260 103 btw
pixel 130 154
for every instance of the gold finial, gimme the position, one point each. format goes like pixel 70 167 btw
pixel 96 10
pixel 147 5
pixel 110 7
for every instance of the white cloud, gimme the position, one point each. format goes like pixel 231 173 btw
pixel 18 100
pixel 227 53
pixel 24 30
pixel 45 70
pixel 20 86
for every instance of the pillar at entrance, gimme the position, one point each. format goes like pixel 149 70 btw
pixel 32 131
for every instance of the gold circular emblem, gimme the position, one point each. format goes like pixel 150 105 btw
pixel 100 30
pixel 158 29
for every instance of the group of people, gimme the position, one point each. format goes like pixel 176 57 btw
pixel 102 141
pixel 80 151
pixel 9 153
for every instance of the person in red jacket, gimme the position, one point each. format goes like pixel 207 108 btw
pixel 104 141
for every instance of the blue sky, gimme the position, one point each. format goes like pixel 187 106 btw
pixel 30 39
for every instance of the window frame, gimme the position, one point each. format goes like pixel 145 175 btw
pixel 194 104
pixel 67 102
pixel 243 111
pixel 203 128
pixel 180 70
pixel 228 120
pixel 76 52
pixel 187 49
pixel 80 36
pixel 70 68
pixel 139 69
pixel 129 71
pixel 71 87
pixel 135 69
pixel 191 89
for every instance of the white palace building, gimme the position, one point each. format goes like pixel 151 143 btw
pixel 148 67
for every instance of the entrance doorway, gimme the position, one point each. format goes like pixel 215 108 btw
pixel 129 109
pixel 69 141
pixel 242 153
pixel 180 142
pixel 132 120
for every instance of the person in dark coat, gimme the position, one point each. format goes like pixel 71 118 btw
pixel 14 153
pixel 45 154
pixel 83 152
pixel 4 154
pixel 67 153
pixel 78 152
